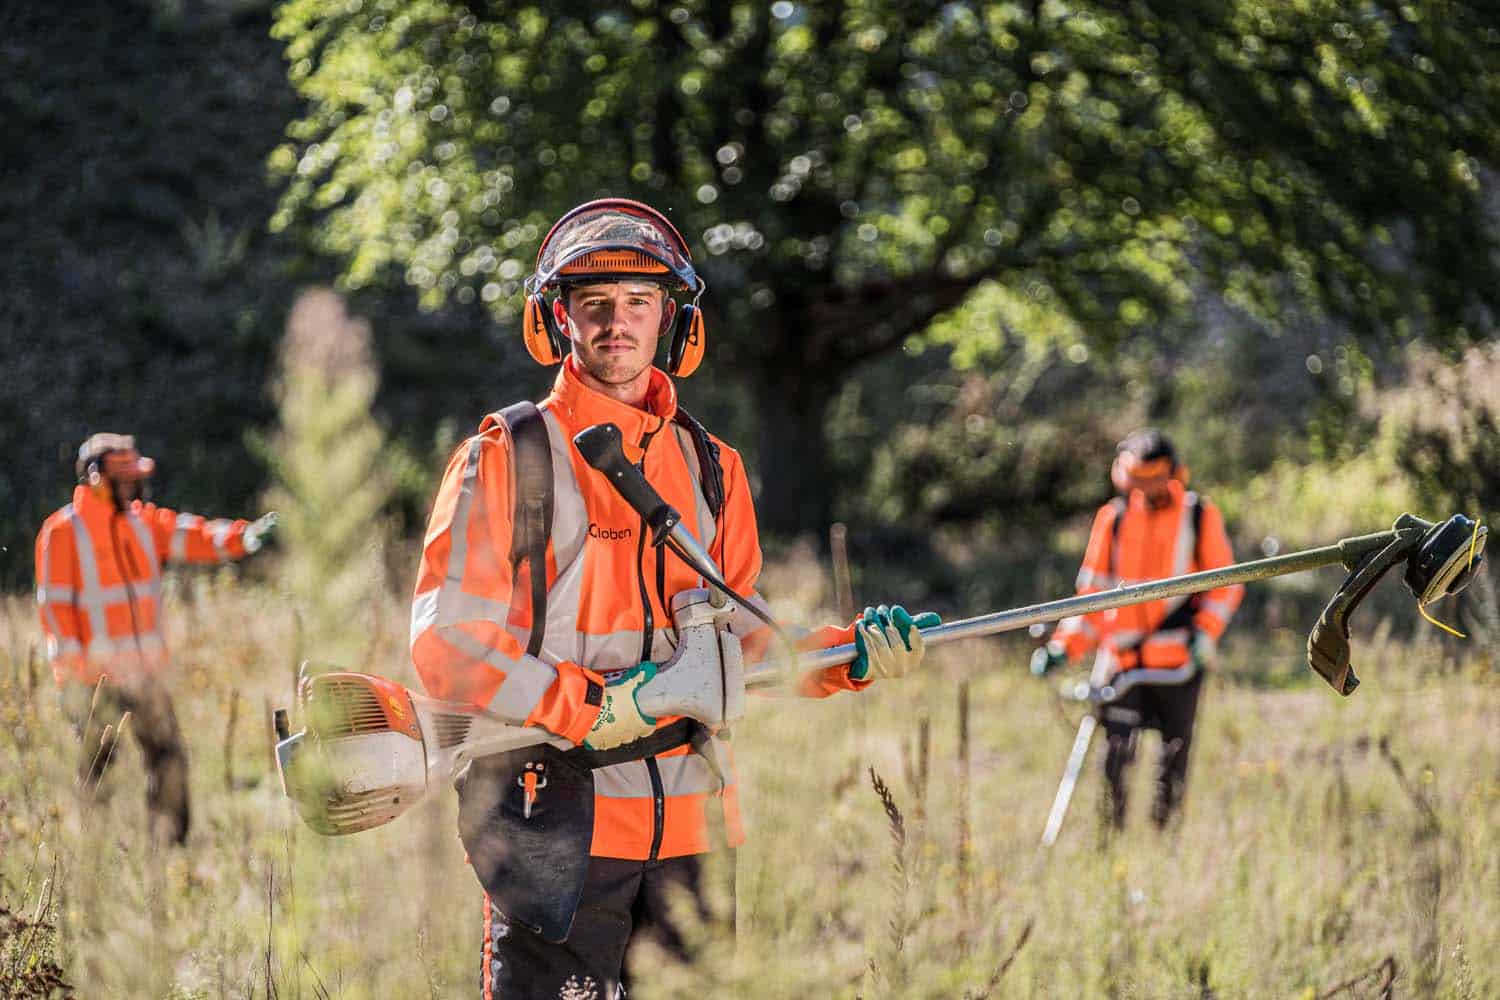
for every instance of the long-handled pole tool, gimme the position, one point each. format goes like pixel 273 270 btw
pixel 1439 560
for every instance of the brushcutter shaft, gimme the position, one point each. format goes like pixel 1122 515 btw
pixel 1346 552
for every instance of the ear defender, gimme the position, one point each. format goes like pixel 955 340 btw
pixel 539 331
pixel 610 240
pixel 686 350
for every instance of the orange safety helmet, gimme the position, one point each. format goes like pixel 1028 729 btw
pixel 607 240
pixel 1145 455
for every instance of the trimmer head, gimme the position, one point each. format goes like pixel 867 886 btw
pixel 1440 560
pixel 1446 558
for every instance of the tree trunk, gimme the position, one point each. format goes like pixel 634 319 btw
pixel 796 490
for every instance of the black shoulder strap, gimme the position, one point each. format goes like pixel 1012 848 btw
pixel 710 468
pixel 531 522
pixel 1120 506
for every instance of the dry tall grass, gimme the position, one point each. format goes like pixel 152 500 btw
pixel 1322 837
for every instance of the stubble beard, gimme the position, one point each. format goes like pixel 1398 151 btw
pixel 615 370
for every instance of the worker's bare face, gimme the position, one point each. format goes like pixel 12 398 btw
pixel 1156 488
pixel 615 327
pixel 126 472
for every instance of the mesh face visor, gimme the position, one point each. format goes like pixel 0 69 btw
pixel 609 243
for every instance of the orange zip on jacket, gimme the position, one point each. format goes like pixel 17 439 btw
pixel 609 592
pixel 1151 544
pixel 98 581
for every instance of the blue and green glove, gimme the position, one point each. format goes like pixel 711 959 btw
pixel 1047 658
pixel 1204 650
pixel 889 642
pixel 620 719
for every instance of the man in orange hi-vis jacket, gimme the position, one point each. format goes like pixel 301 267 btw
pixel 98 590
pixel 628 815
pixel 1156 527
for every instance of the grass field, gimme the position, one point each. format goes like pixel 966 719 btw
pixel 1327 844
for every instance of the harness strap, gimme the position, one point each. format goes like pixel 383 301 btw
pixel 532 522
pixel 710 466
pixel 683 732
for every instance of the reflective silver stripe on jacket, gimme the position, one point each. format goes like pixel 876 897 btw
pixel 1101 581
pixel 1079 624
pixel 144 539
pixel 1221 610
pixel 706 529
pixel 687 774
pixel 221 529
pixel 177 548
pixel 91 596
pixel 1167 637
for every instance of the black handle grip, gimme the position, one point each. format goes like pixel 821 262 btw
pixel 600 446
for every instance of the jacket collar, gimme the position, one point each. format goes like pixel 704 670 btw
pixel 578 406
pixel 90 507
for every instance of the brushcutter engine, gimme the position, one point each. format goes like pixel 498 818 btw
pixel 371 748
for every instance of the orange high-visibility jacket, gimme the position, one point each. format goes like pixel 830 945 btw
pixel 98 581
pixel 609 595
pixel 1133 543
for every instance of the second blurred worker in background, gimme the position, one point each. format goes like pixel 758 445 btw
pixel 1154 528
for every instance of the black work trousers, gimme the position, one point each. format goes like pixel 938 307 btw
pixel 623 903
pixel 96 716
pixel 1170 709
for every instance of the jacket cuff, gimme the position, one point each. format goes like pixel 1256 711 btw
pixel 828 680
pixel 235 544
pixel 572 706
pixel 1209 624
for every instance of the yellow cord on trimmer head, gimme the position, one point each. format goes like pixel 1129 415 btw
pixel 1422 607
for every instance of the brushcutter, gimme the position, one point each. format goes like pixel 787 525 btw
pixel 378 747
pixel 371 748
pixel 361 778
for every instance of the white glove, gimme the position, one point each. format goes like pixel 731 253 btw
pixel 620 718
pixel 1204 650
pixel 257 531
pixel 889 642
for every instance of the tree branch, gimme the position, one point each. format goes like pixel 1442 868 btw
pixel 879 315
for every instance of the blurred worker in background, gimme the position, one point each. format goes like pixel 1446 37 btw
pixel 1154 528
pixel 98 587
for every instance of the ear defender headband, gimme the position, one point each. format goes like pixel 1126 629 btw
pixel 609 240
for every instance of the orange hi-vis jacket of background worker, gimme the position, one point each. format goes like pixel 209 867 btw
pixel 609 594
pixel 1132 542
pixel 98 581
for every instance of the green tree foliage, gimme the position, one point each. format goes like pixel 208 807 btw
pixel 1443 428
pixel 847 171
